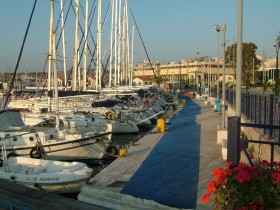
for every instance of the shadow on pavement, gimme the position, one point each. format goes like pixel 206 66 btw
pixel 170 173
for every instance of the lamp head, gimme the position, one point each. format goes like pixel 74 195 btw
pixel 217 28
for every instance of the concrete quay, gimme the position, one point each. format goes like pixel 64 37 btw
pixel 167 170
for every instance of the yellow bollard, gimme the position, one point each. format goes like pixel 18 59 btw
pixel 183 102
pixel 161 125
pixel 122 152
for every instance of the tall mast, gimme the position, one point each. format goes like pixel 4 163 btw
pixel 127 45
pixel 99 57
pixel 75 59
pixel 112 42
pixel 78 67
pixel 132 58
pixel 55 79
pixel 50 51
pixel 119 42
pixel 123 62
pixel 85 50
pixel 63 44
pixel 116 44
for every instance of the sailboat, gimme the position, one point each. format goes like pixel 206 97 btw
pixel 47 175
pixel 59 143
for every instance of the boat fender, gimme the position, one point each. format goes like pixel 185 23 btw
pixel 112 151
pixel 61 123
pixel 35 153
pixel 110 116
pixel 12 154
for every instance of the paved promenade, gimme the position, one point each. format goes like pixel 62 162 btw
pixel 164 171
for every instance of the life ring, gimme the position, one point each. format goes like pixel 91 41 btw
pixel 110 116
pixel 112 151
pixel 35 153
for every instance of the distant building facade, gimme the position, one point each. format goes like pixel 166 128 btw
pixel 268 69
pixel 185 72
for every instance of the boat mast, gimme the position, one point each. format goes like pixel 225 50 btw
pixel 127 46
pixel 75 59
pixel 116 44
pixel 119 43
pixel 85 50
pixel 132 58
pixel 123 61
pixel 63 44
pixel 98 47
pixel 112 42
pixel 78 68
pixel 55 79
pixel 50 51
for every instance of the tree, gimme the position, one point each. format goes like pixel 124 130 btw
pixel 249 60
pixel 278 40
pixel 158 80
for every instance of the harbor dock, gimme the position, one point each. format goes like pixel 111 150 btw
pixel 163 170
pixel 19 197
pixel 167 170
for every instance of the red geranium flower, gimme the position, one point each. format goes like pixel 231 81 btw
pixel 245 187
pixel 212 187
pixel 206 198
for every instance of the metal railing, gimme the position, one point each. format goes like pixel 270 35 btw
pixel 235 144
pixel 259 109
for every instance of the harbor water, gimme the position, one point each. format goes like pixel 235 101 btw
pixel 130 138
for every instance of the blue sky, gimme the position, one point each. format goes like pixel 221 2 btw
pixel 171 29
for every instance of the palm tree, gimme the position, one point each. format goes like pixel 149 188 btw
pixel 277 41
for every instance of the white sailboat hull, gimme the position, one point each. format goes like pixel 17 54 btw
pixel 124 127
pixel 58 144
pixel 65 150
pixel 51 176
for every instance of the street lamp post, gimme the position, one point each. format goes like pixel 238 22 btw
pixel 277 50
pixel 218 29
pixel 223 29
